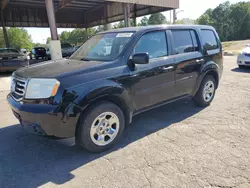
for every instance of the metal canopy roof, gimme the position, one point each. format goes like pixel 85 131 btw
pixel 78 13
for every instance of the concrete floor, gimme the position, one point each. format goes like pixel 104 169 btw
pixel 178 145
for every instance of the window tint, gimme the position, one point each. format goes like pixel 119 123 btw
pixel 195 42
pixel 209 39
pixel 182 41
pixel 154 44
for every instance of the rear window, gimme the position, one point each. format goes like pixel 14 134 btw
pixel 182 41
pixel 40 49
pixel 209 40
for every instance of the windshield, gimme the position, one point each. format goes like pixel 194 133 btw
pixel 8 51
pixel 103 47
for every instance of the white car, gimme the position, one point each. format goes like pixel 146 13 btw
pixel 244 57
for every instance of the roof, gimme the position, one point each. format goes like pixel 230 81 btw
pixel 78 13
pixel 164 26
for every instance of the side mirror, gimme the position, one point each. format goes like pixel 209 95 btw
pixel 140 58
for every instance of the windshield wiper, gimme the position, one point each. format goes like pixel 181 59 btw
pixel 85 59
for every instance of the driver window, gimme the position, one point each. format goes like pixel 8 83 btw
pixel 154 43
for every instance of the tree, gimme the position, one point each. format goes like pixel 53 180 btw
pixel 185 21
pixel 2 42
pixel 230 21
pixel 144 21
pixel 156 19
pixel 64 36
pixel 48 40
pixel 119 25
pixel 19 38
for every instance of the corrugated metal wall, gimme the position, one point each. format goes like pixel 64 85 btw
pixel 35 15
pixel 160 3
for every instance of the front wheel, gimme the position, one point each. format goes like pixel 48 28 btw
pixel 206 92
pixel 100 127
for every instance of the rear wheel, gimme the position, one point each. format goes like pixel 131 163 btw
pixel 206 92
pixel 100 127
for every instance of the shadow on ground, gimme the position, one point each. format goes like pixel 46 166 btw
pixel 243 70
pixel 31 161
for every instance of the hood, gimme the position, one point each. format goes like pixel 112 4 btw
pixel 55 68
pixel 246 50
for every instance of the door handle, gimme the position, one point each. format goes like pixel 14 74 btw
pixel 199 60
pixel 168 68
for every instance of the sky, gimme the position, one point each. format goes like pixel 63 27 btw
pixel 190 9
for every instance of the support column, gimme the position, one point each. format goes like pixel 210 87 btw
pixel 174 16
pixel 107 26
pixel 86 33
pixel 134 17
pixel 126 12
pixel 55 44
pixel 6 39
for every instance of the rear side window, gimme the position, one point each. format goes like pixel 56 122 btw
pixel 154 43
pixel 184 41
pixel 209 40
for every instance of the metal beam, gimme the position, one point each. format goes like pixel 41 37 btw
pixel 64 3
pixel 4 3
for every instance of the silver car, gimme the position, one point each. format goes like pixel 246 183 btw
pixel 11 59
pixel 244 57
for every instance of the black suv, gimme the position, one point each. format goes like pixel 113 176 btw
pixel 114 76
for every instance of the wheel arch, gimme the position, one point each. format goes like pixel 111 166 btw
pixel 120 98
pixel 211 68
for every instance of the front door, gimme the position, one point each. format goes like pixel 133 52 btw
pixel 154 82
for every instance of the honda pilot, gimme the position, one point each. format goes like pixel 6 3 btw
pixel 114 76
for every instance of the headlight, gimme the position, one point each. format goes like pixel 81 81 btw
pixel 41 88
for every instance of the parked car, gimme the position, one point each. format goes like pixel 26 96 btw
pixel 75 48
pixel 48 56
pixel 93 95
pixel 243 59
pixel 67 49
pixel 11 59
pixel 38 52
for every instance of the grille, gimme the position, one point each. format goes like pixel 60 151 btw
pixel 18 87
pixel 247 54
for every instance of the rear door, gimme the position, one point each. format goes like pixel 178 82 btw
pixel 188 59
pixel 153 82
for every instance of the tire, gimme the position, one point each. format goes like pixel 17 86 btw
pixel 201 99
pixel 90 125
pixel 241 66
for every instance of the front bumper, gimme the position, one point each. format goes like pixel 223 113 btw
pixel 43 119
pixel 243 60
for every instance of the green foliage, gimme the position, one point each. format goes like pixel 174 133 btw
pixel 18 38
pixel 156 19
pixel 185 21
pixel 75 37
pixel 2 42
pixel 230 21
pixel 48 40
pixel 144 21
